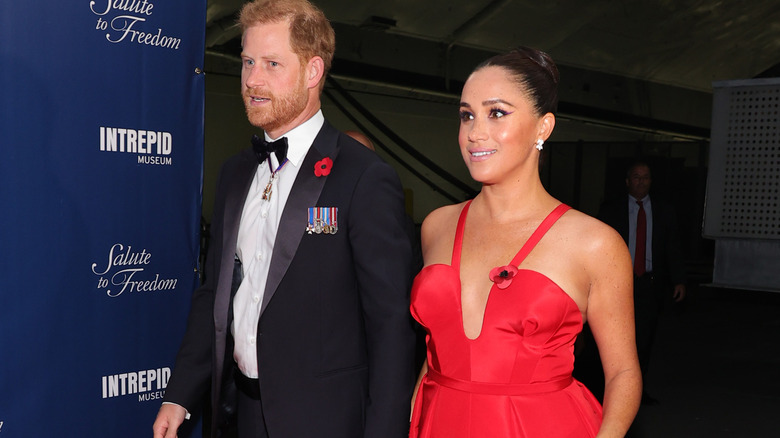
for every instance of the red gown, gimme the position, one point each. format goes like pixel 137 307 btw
pixel 514 379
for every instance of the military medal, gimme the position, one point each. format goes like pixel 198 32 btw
pixel 326 221
pixel 269 188
pixel 323 220
pixel 333 219
pixel 318 220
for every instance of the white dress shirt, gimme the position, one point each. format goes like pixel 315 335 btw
pixel 256 235
pixel 633 211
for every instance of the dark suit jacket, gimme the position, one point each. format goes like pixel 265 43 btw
pixel 668 266
pixel 335 339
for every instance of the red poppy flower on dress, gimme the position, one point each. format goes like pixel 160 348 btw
pixel 502 275
pixel 322 168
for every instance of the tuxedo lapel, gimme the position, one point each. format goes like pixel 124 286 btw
pixel 235 197
pixel 304 194
pixel 658 214
pixel 623 219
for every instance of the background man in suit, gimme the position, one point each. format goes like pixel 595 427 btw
pixel 362 138
pixel 650 231
pixel 303 319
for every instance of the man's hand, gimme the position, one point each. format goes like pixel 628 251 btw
pixel 679 292
pixel 169 418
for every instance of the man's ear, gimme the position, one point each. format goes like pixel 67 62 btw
pixel 315 69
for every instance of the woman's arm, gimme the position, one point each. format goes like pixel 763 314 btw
pixel 610 314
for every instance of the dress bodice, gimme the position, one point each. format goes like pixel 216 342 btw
pixel 530 325
pixel 525 348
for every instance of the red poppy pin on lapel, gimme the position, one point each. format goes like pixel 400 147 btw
pixel 322 168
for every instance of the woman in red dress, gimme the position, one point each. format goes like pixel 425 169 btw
pixel 511 276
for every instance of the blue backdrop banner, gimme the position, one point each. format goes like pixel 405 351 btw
pixel 101 133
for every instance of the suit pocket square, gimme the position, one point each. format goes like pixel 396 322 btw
pixel 323 220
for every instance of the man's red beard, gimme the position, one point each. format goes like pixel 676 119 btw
pixel 279 111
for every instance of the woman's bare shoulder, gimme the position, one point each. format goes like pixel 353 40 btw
pixel 442 217
pixel 592 235
pixel 597 253
pixel 438 231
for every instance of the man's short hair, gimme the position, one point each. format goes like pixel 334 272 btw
pixel 310 31
pixel 637 163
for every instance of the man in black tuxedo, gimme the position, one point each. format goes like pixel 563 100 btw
pixel 659 271
pixel 302 328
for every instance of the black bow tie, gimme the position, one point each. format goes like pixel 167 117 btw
pixel 264 148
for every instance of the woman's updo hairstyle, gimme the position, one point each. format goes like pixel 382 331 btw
pixel 534 71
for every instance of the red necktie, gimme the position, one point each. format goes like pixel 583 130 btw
pixel 641 241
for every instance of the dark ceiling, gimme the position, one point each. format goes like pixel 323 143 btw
pixel 635 63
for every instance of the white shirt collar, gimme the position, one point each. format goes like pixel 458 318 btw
pixel 644 200
pixel 300 138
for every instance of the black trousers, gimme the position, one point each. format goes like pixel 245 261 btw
pixel 250 420
pixel 648 303
pixel 249 409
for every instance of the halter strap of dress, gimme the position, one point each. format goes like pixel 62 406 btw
pixel 529 245
pixel 545 226
pixel 458 245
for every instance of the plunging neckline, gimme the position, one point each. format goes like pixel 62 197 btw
pixel 516 261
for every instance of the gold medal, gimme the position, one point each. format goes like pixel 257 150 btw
pixel 269 188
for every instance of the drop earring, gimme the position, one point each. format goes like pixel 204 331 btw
pixel 540 144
